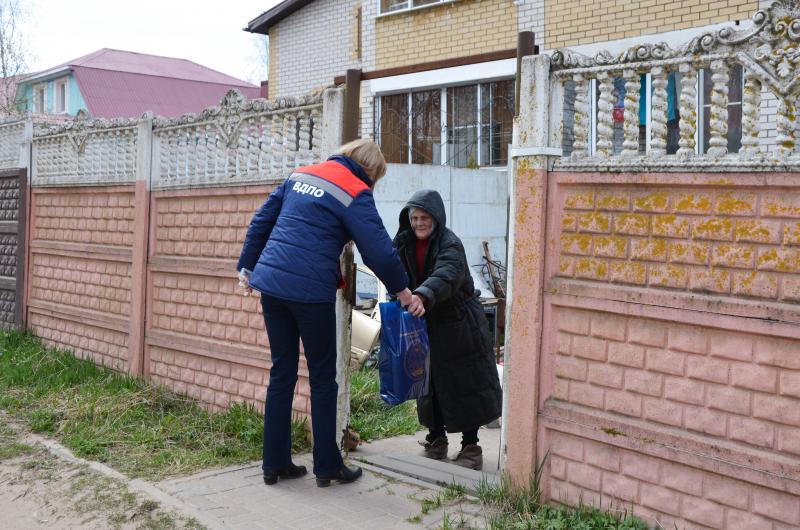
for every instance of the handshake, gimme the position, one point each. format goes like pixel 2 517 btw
pixel 413 303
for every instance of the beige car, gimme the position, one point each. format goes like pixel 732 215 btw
pixel 366 316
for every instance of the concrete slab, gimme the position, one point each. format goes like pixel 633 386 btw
pixel 402 455
pixel 237 498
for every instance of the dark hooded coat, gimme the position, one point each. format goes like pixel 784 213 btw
pixel 463 370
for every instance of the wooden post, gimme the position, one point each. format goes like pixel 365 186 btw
pixel 526 45
pixel 352 97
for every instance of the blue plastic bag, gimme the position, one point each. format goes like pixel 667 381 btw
pixel 404 359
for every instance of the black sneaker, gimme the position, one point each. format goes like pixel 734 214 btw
pixel 345 475
pixel 290 471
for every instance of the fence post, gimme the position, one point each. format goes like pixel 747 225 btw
pixel 141 223
pixel 23 258
pixel 333 119
pixel 528 191
pixel 526 45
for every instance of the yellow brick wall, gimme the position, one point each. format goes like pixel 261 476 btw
pixel 466 27
pixel 734 243
pixel 573 22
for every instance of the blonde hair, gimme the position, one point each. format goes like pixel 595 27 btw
pixel 368 155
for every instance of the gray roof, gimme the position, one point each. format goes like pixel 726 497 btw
pixel 267 19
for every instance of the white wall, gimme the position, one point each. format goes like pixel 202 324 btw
pixel 314 45
pixel 476 201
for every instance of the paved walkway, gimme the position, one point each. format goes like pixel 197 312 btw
pixel 383 499
pixel 236 497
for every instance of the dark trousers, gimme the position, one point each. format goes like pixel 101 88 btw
pixel 287 322
pixel 439 429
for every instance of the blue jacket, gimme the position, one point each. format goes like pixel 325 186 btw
pixel 294 241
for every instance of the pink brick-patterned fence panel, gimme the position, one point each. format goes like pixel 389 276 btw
pixel 79 292
pixel 203 338
pixel 669 375
pixel 135 228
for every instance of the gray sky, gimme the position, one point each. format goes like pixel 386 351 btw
pixel 208 32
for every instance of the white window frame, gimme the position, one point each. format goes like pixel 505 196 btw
pixel 409 7
pixel 61 83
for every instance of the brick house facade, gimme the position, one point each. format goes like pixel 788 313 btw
pixel 433 61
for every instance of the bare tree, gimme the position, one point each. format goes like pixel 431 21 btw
pixel 259 59
pixel 14 53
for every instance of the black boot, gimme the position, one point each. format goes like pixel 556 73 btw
pixel 290 471
pixel 345 475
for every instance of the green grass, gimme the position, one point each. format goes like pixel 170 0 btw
pixel 520 508
pixel 371 418
pixel 138 429
pixel 10 446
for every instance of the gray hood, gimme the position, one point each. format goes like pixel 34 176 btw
pixel 431 202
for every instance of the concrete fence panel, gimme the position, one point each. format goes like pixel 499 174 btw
pixel 135 229
pixel 654 294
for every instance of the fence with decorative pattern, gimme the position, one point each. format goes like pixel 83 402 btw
pixel 135 226
pixel 655 282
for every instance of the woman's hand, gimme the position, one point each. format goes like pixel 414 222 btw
pixel 417 306
pixel 244 282
pixel 405 297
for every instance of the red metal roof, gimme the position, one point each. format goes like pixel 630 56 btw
pixel 116 83
pixel 110 94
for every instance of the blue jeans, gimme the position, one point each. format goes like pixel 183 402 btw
pixel 287 322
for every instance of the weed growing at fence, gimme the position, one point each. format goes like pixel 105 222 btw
pixel 520 508
pixel 138 429
pixel 371 418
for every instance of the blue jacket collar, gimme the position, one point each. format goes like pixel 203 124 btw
pixel 354 167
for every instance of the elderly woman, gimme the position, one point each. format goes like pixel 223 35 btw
pixel 464 387
pixel 291 256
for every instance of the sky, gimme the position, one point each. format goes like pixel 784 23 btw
pixel 208 32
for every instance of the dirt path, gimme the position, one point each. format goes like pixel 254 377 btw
pixel 40 490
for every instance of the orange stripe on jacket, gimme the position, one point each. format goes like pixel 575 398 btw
pixel 337 174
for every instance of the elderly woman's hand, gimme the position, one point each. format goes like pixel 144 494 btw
pixel 412 303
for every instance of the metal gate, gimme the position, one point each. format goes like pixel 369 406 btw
pixel 13 184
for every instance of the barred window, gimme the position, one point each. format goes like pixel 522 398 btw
pixel 393 123
pixel 461 126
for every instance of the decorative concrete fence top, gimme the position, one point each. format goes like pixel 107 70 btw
pixel 237 142
pixel 705 82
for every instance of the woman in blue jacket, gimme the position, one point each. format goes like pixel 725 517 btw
pixel 291 256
